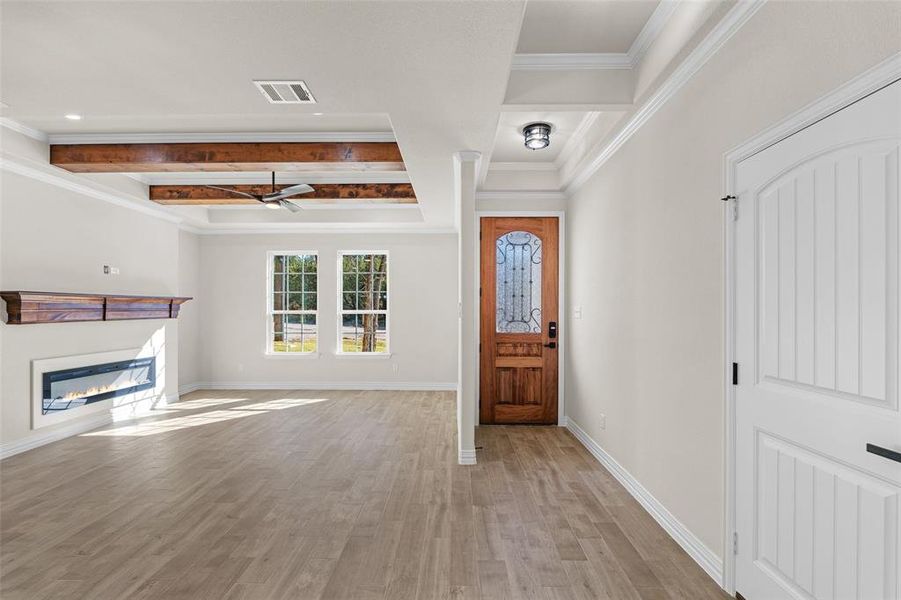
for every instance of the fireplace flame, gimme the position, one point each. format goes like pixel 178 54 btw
pixel 100 389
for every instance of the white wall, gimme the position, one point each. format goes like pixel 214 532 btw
pixel 422 310
pixel 54 239
pixel 645 250
pixel 189 317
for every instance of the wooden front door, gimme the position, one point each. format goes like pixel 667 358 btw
pixel 519 332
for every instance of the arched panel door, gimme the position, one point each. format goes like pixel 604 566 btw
pixel 818 427
pixel 519 322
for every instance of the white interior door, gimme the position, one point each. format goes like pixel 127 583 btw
pixel 816 338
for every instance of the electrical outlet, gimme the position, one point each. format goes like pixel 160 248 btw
pixel 395 367
pixel 602 421
pixel 110 270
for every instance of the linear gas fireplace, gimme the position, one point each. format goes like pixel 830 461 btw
pixel 70 388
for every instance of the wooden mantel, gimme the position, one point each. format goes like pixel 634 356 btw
pixel 63 307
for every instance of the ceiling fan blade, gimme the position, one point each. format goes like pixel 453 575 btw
pixel 230 191
pixel 293 190
pixel 289 205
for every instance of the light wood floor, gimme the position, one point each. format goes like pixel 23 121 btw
pixel 297 495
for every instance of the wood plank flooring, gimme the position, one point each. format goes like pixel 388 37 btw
pixel 296 495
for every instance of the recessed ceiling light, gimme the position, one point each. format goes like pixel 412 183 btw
pixel 537 136
pixel 73 117
pixel 318 114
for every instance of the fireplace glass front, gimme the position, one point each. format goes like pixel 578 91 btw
pixel 71 388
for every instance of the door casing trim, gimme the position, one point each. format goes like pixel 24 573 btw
pixel 561 299
pixel 872 80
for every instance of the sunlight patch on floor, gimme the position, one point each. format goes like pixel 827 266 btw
pixel 203 418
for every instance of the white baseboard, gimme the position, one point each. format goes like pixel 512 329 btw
pixel 42 437
pixel 694 547
pixel 189 387
pixel 467 457
pixel 326 385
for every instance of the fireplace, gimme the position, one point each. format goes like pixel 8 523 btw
pixel 66 389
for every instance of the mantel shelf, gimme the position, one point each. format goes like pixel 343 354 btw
pixel 63 307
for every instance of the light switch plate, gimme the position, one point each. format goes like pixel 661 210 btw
pixel 577 312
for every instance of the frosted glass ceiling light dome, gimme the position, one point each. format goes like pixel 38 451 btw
pixel 537 136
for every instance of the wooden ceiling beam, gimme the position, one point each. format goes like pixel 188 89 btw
pixel 228 156
pixel 323 193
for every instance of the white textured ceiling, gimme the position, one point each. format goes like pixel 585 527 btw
pixel 564 26
pixel 509 146
pixel 437 69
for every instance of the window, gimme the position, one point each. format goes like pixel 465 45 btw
pixel 518 286
pixel 293 303
pixel 363 303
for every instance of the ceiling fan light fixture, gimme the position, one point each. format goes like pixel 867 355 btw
pixel 537 136
pixel 272 205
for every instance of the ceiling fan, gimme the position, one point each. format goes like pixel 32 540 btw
pixel 275 198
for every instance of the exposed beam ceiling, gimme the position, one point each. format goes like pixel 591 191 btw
pixel 236 156
pixel 339 193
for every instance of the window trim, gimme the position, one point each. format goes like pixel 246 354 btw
pixel 269 312
pixel 340 305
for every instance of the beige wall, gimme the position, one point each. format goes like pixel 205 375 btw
pixel 645 248
pixel 422 305
pixel 54 239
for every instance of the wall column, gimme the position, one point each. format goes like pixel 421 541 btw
pixel 466 166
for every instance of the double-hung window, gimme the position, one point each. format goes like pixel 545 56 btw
pixel 293 303
pixel 363 303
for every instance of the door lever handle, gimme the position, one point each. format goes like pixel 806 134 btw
pixel 884 452
pixel 551 345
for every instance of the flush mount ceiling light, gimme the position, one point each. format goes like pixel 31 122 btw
pixel 73 117
pixel 537 136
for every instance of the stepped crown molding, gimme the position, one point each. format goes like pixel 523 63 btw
pixel 565 61
pixel 721 33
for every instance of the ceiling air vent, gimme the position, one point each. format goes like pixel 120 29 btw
pixel 285 92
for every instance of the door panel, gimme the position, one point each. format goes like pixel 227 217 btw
pixel 816 324
pixel 519 286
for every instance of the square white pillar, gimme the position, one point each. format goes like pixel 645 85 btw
pixel 466 166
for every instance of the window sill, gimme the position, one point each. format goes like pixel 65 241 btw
pixel 290 355
pixel 368 355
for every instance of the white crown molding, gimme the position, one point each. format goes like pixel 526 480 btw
pixel 601 61
pixel 871 80
pixel 319 206
pixel 522 166
pixel 521 196
pixel 60 178
pixel 265 177
pixel 187 138
pixel 697 58
pixel 576 138
pixel 467 156
pixel 24 129
pixel 651 30
pixel 566 61
pixel 312 228
pixel 706 558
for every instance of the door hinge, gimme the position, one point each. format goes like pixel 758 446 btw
pixel 734 542
pixel 480 346
pixel 735 373
pixel 733 205
pixel 480 291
